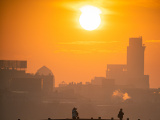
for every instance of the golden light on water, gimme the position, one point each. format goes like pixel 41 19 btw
pixel 90 18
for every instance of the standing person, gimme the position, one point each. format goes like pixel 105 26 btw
pixel 74 113
pixel 120 114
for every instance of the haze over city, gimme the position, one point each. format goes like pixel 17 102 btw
pixel 49 33
pixel 97 57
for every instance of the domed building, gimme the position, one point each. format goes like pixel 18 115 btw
pixel 48 80
pixel 44 71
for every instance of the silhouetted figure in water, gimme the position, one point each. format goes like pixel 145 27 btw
pixel 120 114
pixel 74 113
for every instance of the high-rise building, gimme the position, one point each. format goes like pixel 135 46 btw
pixel 132 74
pixel 135 57
pixel 135 63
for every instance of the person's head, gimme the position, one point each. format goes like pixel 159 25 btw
pixel 74 108
pixel 121 109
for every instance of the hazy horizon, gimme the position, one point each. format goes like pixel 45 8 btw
pixel 48 33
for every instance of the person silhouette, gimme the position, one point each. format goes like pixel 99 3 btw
pixel 120 114
pixel 74 113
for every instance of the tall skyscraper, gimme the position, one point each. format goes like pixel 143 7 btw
pixel 135 57
pixel 135 63
pixel 131 74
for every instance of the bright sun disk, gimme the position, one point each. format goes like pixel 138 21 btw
pixel 90 18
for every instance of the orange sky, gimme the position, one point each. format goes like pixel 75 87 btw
pixel 47 32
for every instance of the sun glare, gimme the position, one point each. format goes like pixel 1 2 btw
pixel 90 18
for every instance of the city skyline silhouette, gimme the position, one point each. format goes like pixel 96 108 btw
pixel 79 60
pixel 124 86
pixel 34 30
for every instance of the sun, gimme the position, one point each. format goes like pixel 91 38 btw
pixel 90 18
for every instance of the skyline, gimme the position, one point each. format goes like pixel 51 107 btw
pixel 72 53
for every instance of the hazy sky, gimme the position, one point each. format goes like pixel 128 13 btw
pixel 47 32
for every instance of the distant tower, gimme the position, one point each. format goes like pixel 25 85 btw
pixel 135 57
pixel 135 63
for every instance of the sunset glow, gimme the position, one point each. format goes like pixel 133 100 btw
pixel 50 33
pixel 80 59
